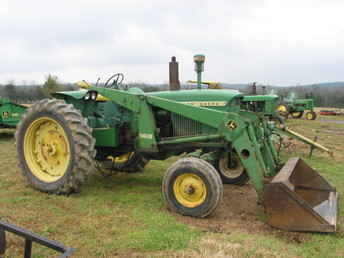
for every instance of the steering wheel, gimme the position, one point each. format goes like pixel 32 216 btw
pixel 116 79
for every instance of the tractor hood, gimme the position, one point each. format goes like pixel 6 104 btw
pixel 204 97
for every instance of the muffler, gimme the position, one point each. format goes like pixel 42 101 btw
pixel 299 199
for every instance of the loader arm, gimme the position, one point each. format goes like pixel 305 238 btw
pixel 287 132
pixel 139 102
pixel 231 127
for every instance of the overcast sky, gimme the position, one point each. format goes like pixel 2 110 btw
pixel 273 41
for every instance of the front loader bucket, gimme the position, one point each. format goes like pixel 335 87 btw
pixel 299 199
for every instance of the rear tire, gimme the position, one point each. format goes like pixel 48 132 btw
pixel 192 187
pixel 297 114
pixel 283 110
pixel 311 115
pixel 55 147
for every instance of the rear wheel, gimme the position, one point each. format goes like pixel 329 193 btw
pixel 232 172
pixel 282 109
pixel 311 115
pixel 55 147
pixel 192 187
pixel 297 114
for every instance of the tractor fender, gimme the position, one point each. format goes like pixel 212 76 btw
pixel 76 94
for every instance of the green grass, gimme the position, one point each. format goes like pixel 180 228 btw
pixel 125 214
pixel 113 215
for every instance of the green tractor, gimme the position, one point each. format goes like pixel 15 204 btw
pixel 296 108
pixel 10 113
pixel 227 138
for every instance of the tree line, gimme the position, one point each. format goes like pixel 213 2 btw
pixel 32 93
pixel 324 96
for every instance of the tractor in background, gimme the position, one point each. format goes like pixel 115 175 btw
pixel 10 113
pixel 211 85
pixel 296 108
pixel 225 137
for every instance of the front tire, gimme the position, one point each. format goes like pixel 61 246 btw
pixel 55 147
pixel 192 187
pixel 311 115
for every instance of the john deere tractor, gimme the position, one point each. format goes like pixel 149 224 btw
pixel 296 108
pixel 226 138
pixel 10 113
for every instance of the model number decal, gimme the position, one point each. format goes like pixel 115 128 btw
pixel 146 135
pixel 207 103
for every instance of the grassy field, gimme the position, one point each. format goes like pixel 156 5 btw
pixel 124 215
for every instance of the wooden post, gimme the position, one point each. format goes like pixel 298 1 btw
pixel 312 147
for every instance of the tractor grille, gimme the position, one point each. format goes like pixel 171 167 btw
pixel 183 126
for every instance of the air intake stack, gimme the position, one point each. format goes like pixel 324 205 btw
pixel 199 68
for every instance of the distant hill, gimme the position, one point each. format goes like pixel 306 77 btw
pixel 237 86
pixel 245 85
pixel 323 84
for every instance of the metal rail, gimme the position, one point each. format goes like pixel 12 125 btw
pixel 29 238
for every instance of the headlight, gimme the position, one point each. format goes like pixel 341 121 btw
pixel 91 95
pixel 94 95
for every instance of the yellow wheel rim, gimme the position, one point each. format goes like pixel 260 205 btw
pixel 46 149
pixel 189 190
pixel 282 108
pixel 296 114
pixel 309 116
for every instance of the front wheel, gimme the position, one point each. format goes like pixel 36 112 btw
pixel 192 187
pixel 311 115
pixel 55 147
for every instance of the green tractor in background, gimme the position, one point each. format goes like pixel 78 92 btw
pixel 10 113
pixel 224 136
pixel 297 107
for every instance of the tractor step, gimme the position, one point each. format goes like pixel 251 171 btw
pixel 299 199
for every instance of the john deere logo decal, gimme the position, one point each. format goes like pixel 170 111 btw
pixel 6 114
pixel 231 125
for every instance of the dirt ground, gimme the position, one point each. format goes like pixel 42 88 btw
pixel 240 212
